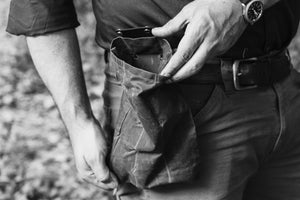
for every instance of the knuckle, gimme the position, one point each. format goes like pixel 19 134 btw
pixel 91 161
pixel 186 10
pixel 169 24
pixel 83 176
pixel 185 56
pixel 194 68
pixel 105 176
pixel 102 156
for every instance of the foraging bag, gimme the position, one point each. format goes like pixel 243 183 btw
pixel 155 139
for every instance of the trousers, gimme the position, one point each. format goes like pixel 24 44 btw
pixel 249 141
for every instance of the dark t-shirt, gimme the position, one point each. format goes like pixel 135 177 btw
pixel 33 17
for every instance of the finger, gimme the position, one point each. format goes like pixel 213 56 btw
pixel 110 181
pixel 186 48
pixel 91 179
pixel 87 173
pixel 173 26
pixel 103 174
pixel 194 65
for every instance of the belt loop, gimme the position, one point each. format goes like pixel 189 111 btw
pixel 287 53
pixel 227 75
pixel 106 56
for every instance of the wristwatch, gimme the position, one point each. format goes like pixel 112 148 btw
pixel 252 11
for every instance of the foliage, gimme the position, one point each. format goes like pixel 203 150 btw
pixel 36 161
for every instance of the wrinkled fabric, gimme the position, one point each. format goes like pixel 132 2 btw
pixel 248 144
pixel 273 31
pixel 249 147
pixel 155 136
pixel 248 141
pixel 37 17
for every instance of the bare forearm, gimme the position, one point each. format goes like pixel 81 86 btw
pixel 57 60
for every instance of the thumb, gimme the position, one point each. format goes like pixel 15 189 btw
pixel 171 27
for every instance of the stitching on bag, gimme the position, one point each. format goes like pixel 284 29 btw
pixel 134 169
pixel 139 139
pixel 167 169
pixel 118 132
pixel 136 156
pixel 118 128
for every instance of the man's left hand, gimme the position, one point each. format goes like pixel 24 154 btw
pixel 212 27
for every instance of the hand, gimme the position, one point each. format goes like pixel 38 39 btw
pixel 212 27
pixel 90 149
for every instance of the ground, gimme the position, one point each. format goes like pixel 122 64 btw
pixel 36 161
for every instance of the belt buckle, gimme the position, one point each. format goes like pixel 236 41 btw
pixel 237 74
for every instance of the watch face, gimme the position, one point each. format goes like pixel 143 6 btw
pixel 255 10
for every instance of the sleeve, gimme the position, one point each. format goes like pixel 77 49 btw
pixel 36 17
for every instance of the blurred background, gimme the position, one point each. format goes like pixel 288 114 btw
pixel 36 161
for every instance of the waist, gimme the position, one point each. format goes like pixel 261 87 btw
pixel 242 74
pixel 245 73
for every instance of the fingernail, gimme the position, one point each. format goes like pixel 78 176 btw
pixel 169 81
pixel 115 191
pixel 113 185
pixel 165 74
pixel 154 29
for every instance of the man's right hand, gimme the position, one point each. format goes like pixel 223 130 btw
pixel 57 59
pixel 90 150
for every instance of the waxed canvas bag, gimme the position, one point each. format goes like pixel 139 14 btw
pixel 155 140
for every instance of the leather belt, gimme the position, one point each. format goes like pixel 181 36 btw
pixel 246 73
